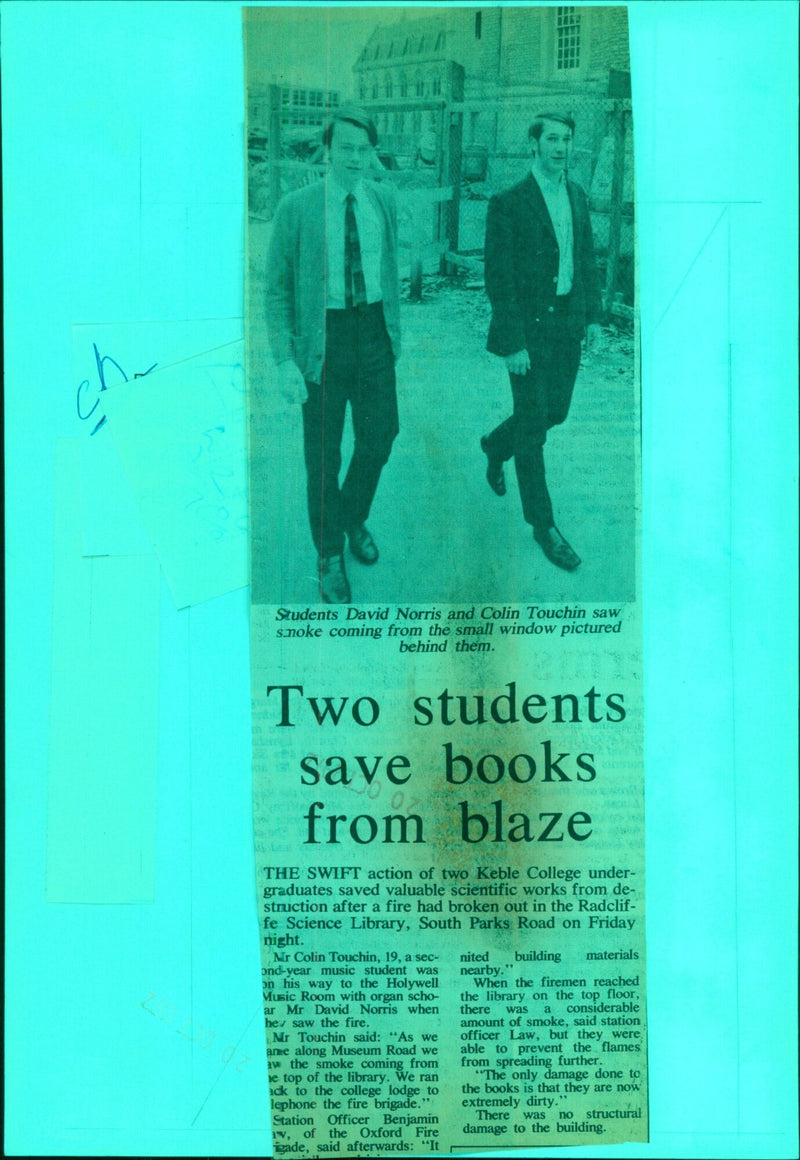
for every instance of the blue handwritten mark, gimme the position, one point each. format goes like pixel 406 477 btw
pixel 209 436
pixel 86 386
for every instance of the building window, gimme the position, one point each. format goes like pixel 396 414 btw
pixel 407 45
pixel 375 92
pixel 568 37
pixel 436 86
pixel 478 23
pixel 439 42
pixel 403 87
pixel 420 87
pixel 416 122
pixel 387 88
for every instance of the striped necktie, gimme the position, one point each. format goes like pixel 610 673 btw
pixel 355 290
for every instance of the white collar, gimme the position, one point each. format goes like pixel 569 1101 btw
pixel 339 192
pixel 548 182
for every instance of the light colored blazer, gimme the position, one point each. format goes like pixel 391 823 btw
pixel 296 275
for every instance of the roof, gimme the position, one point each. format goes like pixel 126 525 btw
pixel 406 39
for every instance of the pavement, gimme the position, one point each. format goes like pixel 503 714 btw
pixel 443 535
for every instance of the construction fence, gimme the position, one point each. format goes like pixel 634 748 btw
pixel 447 159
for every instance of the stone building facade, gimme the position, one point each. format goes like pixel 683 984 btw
pixel 506 63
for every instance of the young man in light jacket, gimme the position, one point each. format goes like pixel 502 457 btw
pixel 333 316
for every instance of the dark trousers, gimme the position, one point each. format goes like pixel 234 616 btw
pixel 541 401
pixel 359 370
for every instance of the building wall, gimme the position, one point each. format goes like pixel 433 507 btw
pixel 609 45
pixel 498 48
pixel 516 61
pixel 523 43
pixel 474 41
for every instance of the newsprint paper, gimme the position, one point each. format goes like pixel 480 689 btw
pixel 446 645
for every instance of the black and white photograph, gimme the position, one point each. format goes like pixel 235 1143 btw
pixel 441 305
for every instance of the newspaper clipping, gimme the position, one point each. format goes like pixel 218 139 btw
pixel 445 630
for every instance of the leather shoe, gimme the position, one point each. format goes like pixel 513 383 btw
pixel 362 544
pixel 557 550
pixel 495 476
pixel 333 584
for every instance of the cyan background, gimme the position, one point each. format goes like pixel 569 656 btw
pixel 123 200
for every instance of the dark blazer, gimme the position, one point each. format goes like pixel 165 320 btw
pixel 296 275
pixel 521 267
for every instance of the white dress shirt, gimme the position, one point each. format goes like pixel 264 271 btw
pixel 370 239
pixel 556 198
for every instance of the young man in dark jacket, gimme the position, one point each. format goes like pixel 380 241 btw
pixel 542 282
